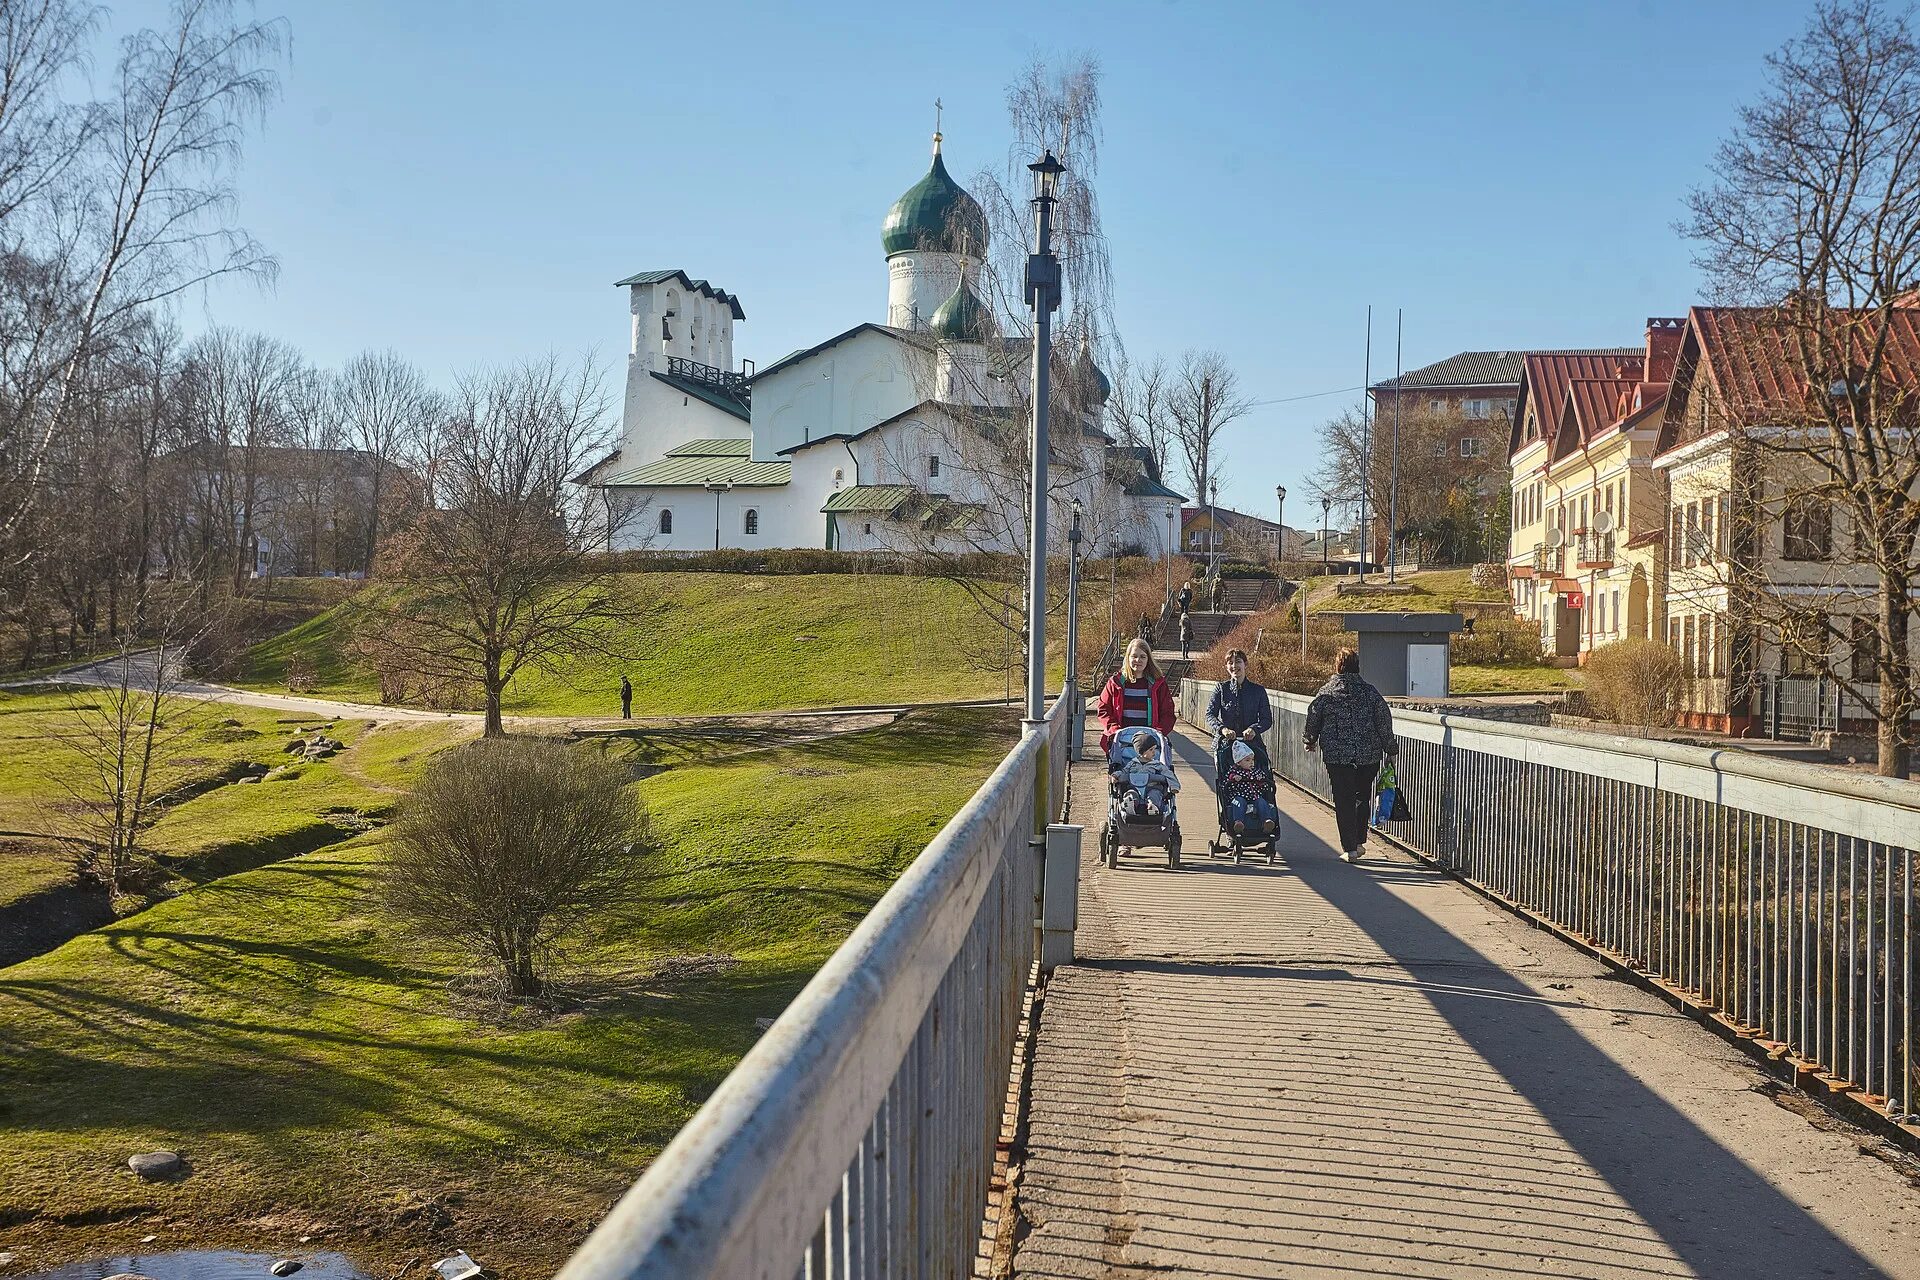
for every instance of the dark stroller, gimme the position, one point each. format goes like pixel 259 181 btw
pixel 1240 843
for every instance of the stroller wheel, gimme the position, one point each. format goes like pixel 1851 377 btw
pixel 1109 845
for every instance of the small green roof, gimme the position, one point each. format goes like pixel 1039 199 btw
pixel 877 499
pixel 699 462
pixel 937 214
pixel 962 317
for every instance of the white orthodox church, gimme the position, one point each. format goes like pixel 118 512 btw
pixel 886 436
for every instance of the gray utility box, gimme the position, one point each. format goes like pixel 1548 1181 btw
pixel 1406 655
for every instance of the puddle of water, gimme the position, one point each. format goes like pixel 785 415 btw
pixel 205 1264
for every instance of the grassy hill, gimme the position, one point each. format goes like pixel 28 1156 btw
pixel 700 643
pixel 316 1066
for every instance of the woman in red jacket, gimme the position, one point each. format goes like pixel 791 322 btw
pixel 1136 694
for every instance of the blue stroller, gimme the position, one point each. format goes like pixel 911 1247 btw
pixel 1129 825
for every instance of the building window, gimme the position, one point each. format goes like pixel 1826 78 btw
pixel 1803 650
pixel 1440 448
pixel 1473 447
pixel 1476 408
pixel 839 474
pixel 1863 663
pixel 1808 529
pixel 1707 543
pixel 1437 405
pixel 666 521
pixel 752 521
pixel 868 527
pixel 933 465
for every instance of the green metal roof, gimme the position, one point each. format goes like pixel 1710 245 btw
pixel 962 317
pixel 699 462
pixel 878 499
pixel 712 449
pixel 936 213
pixel 688 283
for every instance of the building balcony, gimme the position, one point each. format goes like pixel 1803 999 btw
pixel 1595 551
pixel 694 371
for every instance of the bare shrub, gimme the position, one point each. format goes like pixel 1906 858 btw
pixel 1636 682
pixel 1272 642
pixel 511 848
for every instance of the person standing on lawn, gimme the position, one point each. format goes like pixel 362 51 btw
pixel 1351 726
pixel 1239 711
pixel 626 697
pixel 1135 694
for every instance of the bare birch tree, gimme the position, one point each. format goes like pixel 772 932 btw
pixel 1811 222
pixel 114 206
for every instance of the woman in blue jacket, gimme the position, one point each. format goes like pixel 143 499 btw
pixel 1238 712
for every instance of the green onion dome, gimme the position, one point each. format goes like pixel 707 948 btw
pixel 962 318
pixel 935 214
pixel 1092 378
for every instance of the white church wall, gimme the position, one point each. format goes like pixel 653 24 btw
pixel 692 514
pixel 844 389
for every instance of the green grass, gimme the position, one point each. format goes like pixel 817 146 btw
pixel 308 1060
pixel 703 643
pixel 1484 679
pixel 222 825
pixel 1435 591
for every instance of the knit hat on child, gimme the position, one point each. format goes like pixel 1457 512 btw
pixel 1242 753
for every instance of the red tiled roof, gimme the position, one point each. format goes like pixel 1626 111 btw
pixel 1755 366
pixel 1546 375
pixel 1593 405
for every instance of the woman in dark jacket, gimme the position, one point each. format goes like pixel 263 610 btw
pixel 1135 694
pixel 1350 725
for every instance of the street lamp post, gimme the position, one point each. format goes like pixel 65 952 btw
pixel 1076 705
pixel 1213 529
pixel 1043 296
pixel 1326 516
pixel 1280 533
pixel 716 488
pixel 1173 539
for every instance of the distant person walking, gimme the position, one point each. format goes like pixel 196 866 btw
pixel 1219 594
pixel 1351 726
pixel 1186 595
pixel 626 698
pixel 1135 694
pixel 1186 635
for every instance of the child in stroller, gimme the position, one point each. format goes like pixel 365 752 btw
pixel 1141 810
pixel 1249 812
pixel 1144 782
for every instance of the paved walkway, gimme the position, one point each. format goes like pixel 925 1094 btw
pixel 1324 1070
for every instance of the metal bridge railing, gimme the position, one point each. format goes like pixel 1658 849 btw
pixel 1775 895
pixel 857 1138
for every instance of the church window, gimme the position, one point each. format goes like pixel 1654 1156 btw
pixel 752 521
pixel 666 521
pixel 869 526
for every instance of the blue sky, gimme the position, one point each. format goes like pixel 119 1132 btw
pixel 464 181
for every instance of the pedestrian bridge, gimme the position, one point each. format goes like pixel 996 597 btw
pixel 1485 1052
